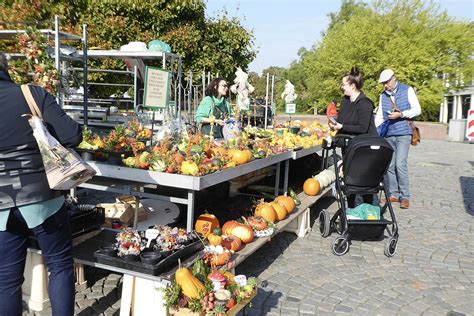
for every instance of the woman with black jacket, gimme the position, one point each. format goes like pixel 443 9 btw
pixel 355 115
pixel 27 204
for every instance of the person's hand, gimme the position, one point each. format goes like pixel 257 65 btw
pixel 395 115
pixel 335 127
pixel 219 122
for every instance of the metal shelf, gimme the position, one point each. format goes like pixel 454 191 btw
pixel 121 55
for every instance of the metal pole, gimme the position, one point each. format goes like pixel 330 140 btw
pixel 203 83
pixel 190 97
pixel 266 101
pixel 271 99
pixel 135 88
pixel 208 78
pixel 86 72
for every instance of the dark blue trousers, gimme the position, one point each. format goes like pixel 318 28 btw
pixel 54 238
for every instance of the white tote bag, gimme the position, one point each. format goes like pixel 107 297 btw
pixel 64 168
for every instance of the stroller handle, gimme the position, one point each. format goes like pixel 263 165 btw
pixel 340 140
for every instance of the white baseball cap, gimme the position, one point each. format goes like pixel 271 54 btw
pixel 386 75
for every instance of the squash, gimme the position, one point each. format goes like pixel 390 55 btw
pixel 266 211
pixel 280 210
pixel 231 242
pixel 257 222
pixel 287 201
pixel 190 285
pixel 206 223
pixel 229 277
pixel 220 259
pixel 218 151
pixel 228 227
pixel 243 232
pixel 189 168
pixel 311 187
pixel 215 237
pixel 239 156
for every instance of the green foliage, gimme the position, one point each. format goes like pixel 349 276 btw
pixel 218 44
pixel 412 37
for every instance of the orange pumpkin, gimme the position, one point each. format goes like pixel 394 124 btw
pixel 266 211
pixel 243 232
pixel 206 223
pixel 249 154
pixel 257 222
pixel 287 202
pixel 228 226
pixel 231 242
pixel 311 187
pixel 280 210
pixel 220 259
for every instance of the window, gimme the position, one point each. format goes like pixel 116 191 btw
pixel 450 104
pixel 466 104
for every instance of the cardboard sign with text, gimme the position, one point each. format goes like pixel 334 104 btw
pixel 157 84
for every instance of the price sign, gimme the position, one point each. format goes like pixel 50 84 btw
pixel 290 108
pixel 156 93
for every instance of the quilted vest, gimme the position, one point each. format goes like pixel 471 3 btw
pixel 401 126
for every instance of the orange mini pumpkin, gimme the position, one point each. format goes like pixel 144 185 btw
pixel 280 210
pixel 287 202
pixel 257 222
pixel 231 243
pixel 220 259
pixel 266 211
pixel 311 187
pixel 206 223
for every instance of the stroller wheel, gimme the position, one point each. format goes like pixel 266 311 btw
pixel 340 246
pixel 390 246
pixel 324 223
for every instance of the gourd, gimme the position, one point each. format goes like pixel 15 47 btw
pixel 206 223
pixel 215 237
pixel 280 210
pixel 257 223
pixel 220 259
pixel 190 285
pixel 231 243
pixel 287 201
pixel 189 168
pixel 311 187
pixel 266 211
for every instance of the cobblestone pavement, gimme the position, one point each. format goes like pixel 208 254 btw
pixel 431 274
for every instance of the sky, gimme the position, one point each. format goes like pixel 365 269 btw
pixel 281 27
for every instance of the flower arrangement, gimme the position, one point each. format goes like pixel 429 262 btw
pixel 33 45
pixel 129 242
pixel 172 238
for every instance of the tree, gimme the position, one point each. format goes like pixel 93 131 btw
pixel 218 44
pixel 419 42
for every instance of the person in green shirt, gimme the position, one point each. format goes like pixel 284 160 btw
pixel 214 108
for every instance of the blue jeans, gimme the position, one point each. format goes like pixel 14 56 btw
pixel 397 174
pixel 55 241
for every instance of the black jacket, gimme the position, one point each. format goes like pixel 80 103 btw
pixel 357 117
pixel 22 177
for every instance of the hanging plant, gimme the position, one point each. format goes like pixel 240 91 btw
pixel 33 45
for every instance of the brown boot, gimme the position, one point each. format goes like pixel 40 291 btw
pixel 404 203
pixel 391 199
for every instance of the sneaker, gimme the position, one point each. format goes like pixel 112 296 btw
pixel 404 203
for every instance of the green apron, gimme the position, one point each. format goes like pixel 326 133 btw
pixel 218 115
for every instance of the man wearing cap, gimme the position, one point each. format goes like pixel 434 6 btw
pixel 399 104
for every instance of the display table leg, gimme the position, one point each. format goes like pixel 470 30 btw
pixel 277 179
pixel 142 297
pixel 35 287
pixel 190 214
pixel 285 179
pixel 81 282
pixel 301 225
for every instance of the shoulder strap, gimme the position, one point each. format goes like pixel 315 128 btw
pixel 394 106
pixel 31 101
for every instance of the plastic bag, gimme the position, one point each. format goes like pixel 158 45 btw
pixel 364 211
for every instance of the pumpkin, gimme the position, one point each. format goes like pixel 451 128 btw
pixel 249 154
pixel 231 242
pixel 220 259
pixel 280 210
pixel 311 187
pixel 206 223
pixel 239 156
pixel 243 232
pixel 266 211
pixel 215 237
pixel 190 285
pixel 218 151
pixel 287 202
pixel 257 222
pixel 228 226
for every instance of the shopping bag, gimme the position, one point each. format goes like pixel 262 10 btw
pixel 416 136
pixel 382 129
pixel 64 168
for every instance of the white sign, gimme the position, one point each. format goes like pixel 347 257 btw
pixel 290 108
pixel 156 93
pixel 470 125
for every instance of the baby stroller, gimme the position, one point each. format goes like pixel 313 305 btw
pixel 365 160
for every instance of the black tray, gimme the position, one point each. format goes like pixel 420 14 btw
pixel 153 269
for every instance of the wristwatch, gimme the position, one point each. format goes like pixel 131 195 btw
pixel 401 114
